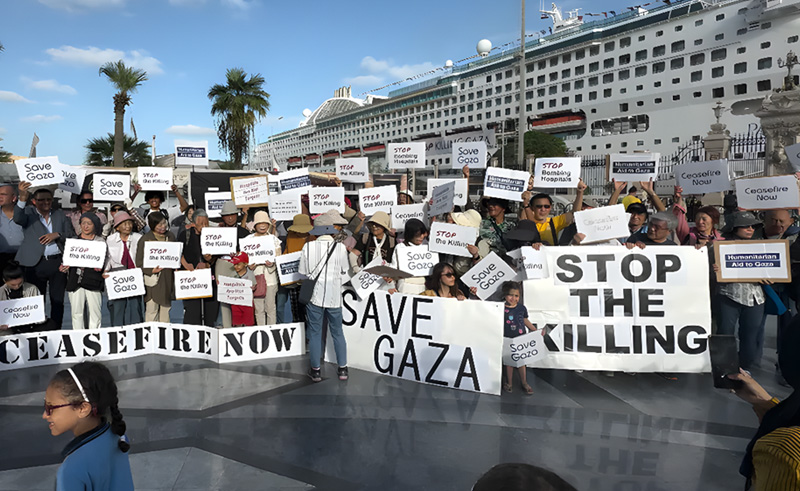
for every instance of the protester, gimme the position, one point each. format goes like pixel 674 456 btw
pixel 325 262
pixel 415 233
pixel 516 323
pixel 549 227
pixel 297 236
pixel 84 400
pixel 154 200
pixel 493 229
pixel 123 246
pixel 230 218
pixel 630 198
pixel 706 221
pixel 11 233
pixel 242 315
pixel 637 223
pixel 183 221
pixel 520 477
pixel 198 311
pixel 443 283
pixel 136 220
pixel 14 288
pixel 405 197
pixel 526 233
pixel 158 282
pixel 266 293
pixel 659 229
pixel 378 243
pixel 479 250
pixel 85 285
pixel 84 203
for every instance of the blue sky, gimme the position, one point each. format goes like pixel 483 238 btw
pixel 304 50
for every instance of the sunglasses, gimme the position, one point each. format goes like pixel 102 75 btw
pixel 45 200
pixel 114 210
pixel 48 408
pixel 449 275
pixel 87 200
pixel 546 207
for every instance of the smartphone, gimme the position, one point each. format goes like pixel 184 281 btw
pixel 724 361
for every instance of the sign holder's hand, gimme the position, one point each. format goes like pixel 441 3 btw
pixel 48 238
pixel 23 187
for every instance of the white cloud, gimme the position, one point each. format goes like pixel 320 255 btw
pixel 186 3
pixel 239 4
pixel 364 80
pixel 77 5
pixel 384 67
pixel 49 86
pixel 40 118
pixel 96 57
pixel 7 96
pixel 189 129
pixel 3 131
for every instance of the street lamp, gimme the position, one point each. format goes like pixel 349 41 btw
pixel 522 122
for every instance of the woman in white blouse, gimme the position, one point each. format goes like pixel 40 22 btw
pixel 122 247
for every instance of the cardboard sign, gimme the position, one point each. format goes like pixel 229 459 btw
pixel 218 240
pixel 443 196
pixel 563 172
pixel 235 291
pixel 402 213
pixel 155 178
pixel 764 193
pixel 81 253
pixel 215 200
pixel 488 275
pixel 752 261
pixel 472 154
pixel 295 181
pixel 630 167
pixel 259 249
pixel 22 311
pixel 793 154
pixel 382 198
pixel 416 260
pixel 353 169
pixel 321 200
pixel 193 284
pixel 165 255
pixel 73 178
pixel 250 191
pixel 365 282
pixel 289 268
pixel 703 177
pixel 191 152
pixel 124 284
pixel 603 223
pixel 505 183
pixel 284 208
pixel 409 155
pixel 461 190
pixel 535 263
pixel 40 171
pixel 110 188
pixel 449 238
pixel 524 349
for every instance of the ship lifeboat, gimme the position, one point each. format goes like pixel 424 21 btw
pixel 558 122
pixel 375 148
pixel 351 152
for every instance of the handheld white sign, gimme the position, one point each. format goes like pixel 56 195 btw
pixel 274 183
pixel 155 178
pixel 630 167
pixel 365 282
pixel 563 172
pixel 416 260
pixel 321 200
pixel 505 183
pixel 381 198
pixel 215 200
pixel 22 311
pixel 191 152
pixel 72 179
pixel 284 207
pixel 111 188
pixel 703 177
pixel 472 154
pixel 165 255
pixel 218 240
pixel 250 191
pixel 449 238
pixel 524 349
pixel 235 291
pixel 753 260
pixel 535 263
pixel 443 196
pixel 259 249
pixel 764 193
pixel 124 284
pixel 461 190
pixel 295 181
pixel 517 264
pixel 353 169
pixel 193 284
pixel 81 253
pixel 488 275
pixel 409 155
pixel 604 223
pixel 40 171
pixel 402 213
pixel 793 154
pixel 289 268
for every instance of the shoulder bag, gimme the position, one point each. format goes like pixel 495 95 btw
pixel 308 285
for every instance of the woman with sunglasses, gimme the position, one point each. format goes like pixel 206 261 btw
pixel 443 283
pixel 84 203
pixel 378 243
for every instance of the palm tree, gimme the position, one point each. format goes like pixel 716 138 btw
pixel 125 79
pixel 238 106
pixel 100 151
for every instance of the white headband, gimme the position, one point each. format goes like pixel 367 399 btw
pixel 78 383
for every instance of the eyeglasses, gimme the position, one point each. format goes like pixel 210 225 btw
pixel 546 207
pixel 48 409
pixel 748 226
pixel 44 200
pixel 653 226
pixel 87 200
pixel 449 275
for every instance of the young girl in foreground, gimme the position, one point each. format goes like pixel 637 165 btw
pixel 83 399
pixel 516 324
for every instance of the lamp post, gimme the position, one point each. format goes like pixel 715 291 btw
pixel 522 122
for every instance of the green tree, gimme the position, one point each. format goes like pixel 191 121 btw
pixel 238 106
pixel 100 152
pixel 126 80
pixel 536 143
pixel 5 156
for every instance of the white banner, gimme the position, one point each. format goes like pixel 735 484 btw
pixel 261 342
pixel 235 291
pixel 289 268
pixel 632 167
pixel 284 207
pixel 402 213
pixel 505 183
pixel 442 196
pixel 125 283
pixel 81 253
pixel 193 284
pixel 461 190
pixel 110 188
pixel 191 153
pixel 449 238
pixel 472 154
pixel 250 191
pixel 403 156
pixel 218 240
pixel 703 177
pixel 22 311
pixel 166 255
pixel 295 181
pixel 321 200
pixel 489 275
pixel 611 308
pixel 155 178
pixel 764 193
pixel 603 223
pixel 517 264
pixel 416 260
pixel 535 263
pixel 424 339
pixel 353 169
pixel 365 282
pixel 40 171
pixel 381 198
pixel 73 178
pixel 753 260
pixel 524 349
pixel 215 200
pixel 259 249
pixel 563 172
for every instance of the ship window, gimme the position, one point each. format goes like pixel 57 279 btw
pixel 657 84
pixel 659 67
pixel 471 83
pixel 540 92
pixel 675 139
pixel 623 90
pixel 508 87
pixel 659 33
pixel 609 63
pixel 578 98
pixel 579 70
pixel 593 67
pixel 623 107
pixel 765 45
pixel 676 63
pixel 488 79
pixel 564 101
pixel 498 89
pixel 742 11
pixel 741 50
pixel 609 46
pixel 624 42
pixel 540 105
pixel 554 61
pixel 720 17
pixel 529 68
pixel 764 85
pixel 607 93
pixel 498 76
pixel 553 76
pixel 593 81
pixel 766 25
pixel 697 94
pixel 461 99
pixel 497 114
pixel 507 100
pixel 552 103
pixel 552 90
pixel 508 73
pixel 470 96
pixel 698 23
pixel 578 84
pixel 678 46
pixel 659 50
pixel 697 76
pixel 566 58
pixel 624 74
pixel 718 92
pixel 641 71
pixel 608 145
pixel 717 72
pixel 608 78
pixel 624 59
pixel 542 65
pixel 657 100
pixel 698 42
pixel 580 54
pixel 594 147
pixel 792 39
pixel 593 95
pixel 640 87
pixel 462 85
pixel 594 50
pixel 540 79
pixel 488 93
pixel 740 89
pixel 764 63
pixel 641 38
pixel 565 87
pixel 741 32
pixel 480 116
pixel 719 37
pixel 719 54
pixel 566 73
pixel 678 28
pixel 740 67
pixel 641 55
pixel 639 103
pixel 676 97
pixel 676 81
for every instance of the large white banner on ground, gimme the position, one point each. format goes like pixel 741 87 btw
pixel 424 339
pixel 764 193
pixel 608 308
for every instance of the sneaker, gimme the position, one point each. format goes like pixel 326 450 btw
pixel 315 374
pixel 342 373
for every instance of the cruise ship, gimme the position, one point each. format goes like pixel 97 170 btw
pixel 641 80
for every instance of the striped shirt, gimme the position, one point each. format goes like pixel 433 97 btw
pixel 331 277
pixel 776 461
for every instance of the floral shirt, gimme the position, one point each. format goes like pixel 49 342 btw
pixel 488 232
pixel 515 321
pixel 747 294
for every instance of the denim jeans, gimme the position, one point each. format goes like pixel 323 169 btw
pixel 126 311
pixel 751 329
pixel 314 334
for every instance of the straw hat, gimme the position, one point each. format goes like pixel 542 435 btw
pixel 229 208
pixel 381 218
pixel 323 225
pixel 336 218
pixel 261 217
pixel 301 224
pixel 470 218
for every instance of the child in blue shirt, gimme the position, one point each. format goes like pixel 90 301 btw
pixel 515 324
